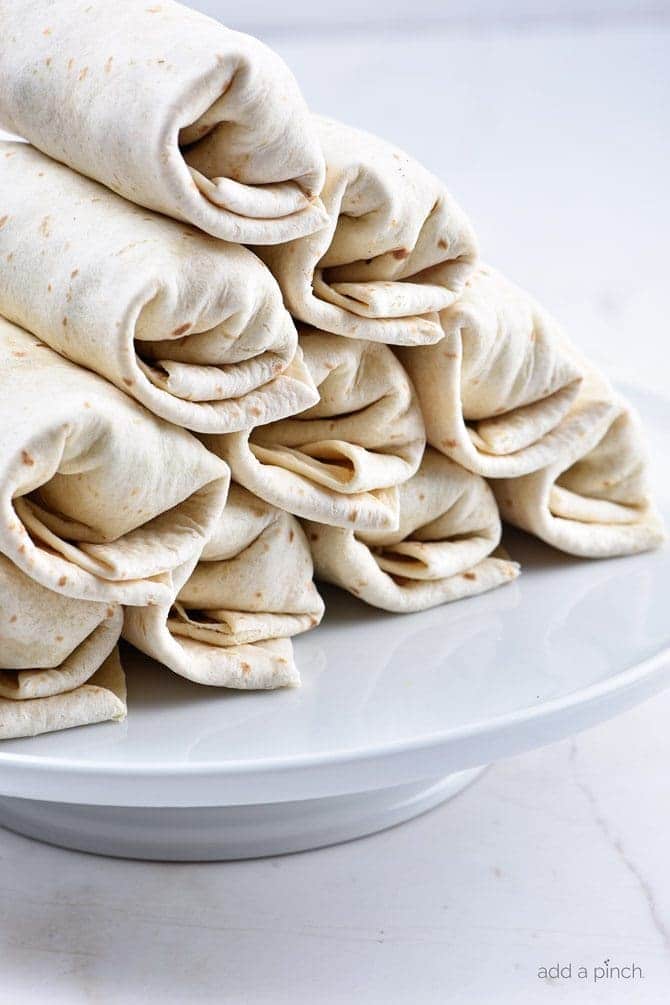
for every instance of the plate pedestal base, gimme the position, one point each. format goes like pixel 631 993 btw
pixel 207 833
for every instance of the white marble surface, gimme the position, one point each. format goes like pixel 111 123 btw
pixel 560 855
pixel 558 143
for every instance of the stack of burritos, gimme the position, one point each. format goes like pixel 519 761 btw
pixel 245 349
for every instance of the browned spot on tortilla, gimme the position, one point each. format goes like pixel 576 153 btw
pixel 62 581
pixel 75 272
pixel 469 575
pixel 400 253
pixel 291 535
pixel 83 73
pixel 313 536
pixel 450 443
pixel 19 354
pixel 450 355
pixel 12 619
pixel 49 287
pixel 27 459
pixel 422 496
pixel 87 404
pixel 9 257
pixel 110 612
pixel 48 61
pixel 59 638
pixel 108 64
pixel 353 513
pixel 182 328
pixel 64 321
pixel 45 229
pixel 3 220
pixel 313 620
pixel 246 668
pixel 128 382
pixel 442 244
pixel 22 549
pixel 255 411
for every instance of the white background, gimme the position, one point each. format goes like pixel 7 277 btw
pixel 550 122
pixel 263 16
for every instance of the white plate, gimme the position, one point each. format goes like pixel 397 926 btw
pixel 395 714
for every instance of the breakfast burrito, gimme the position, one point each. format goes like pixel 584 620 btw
pixel 59 665
pixel 339 462
pixel 192 327
pixel 166 107
pixel 238 608
pixel 441 551
pixel 397 247
pixel 593 499
pixel 99 499
pixel 495 390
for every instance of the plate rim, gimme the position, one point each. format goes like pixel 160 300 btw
pixel 631 675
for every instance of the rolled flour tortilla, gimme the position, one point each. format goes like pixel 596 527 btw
pixel 495 390
pixel 250 592
pixel 58 661
pixel 593 500
pixel 396 250
pixel 99 499
pixel 449 526
pixel 339 462
pixel 101 698
pixel 191 327
pixel 166 107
